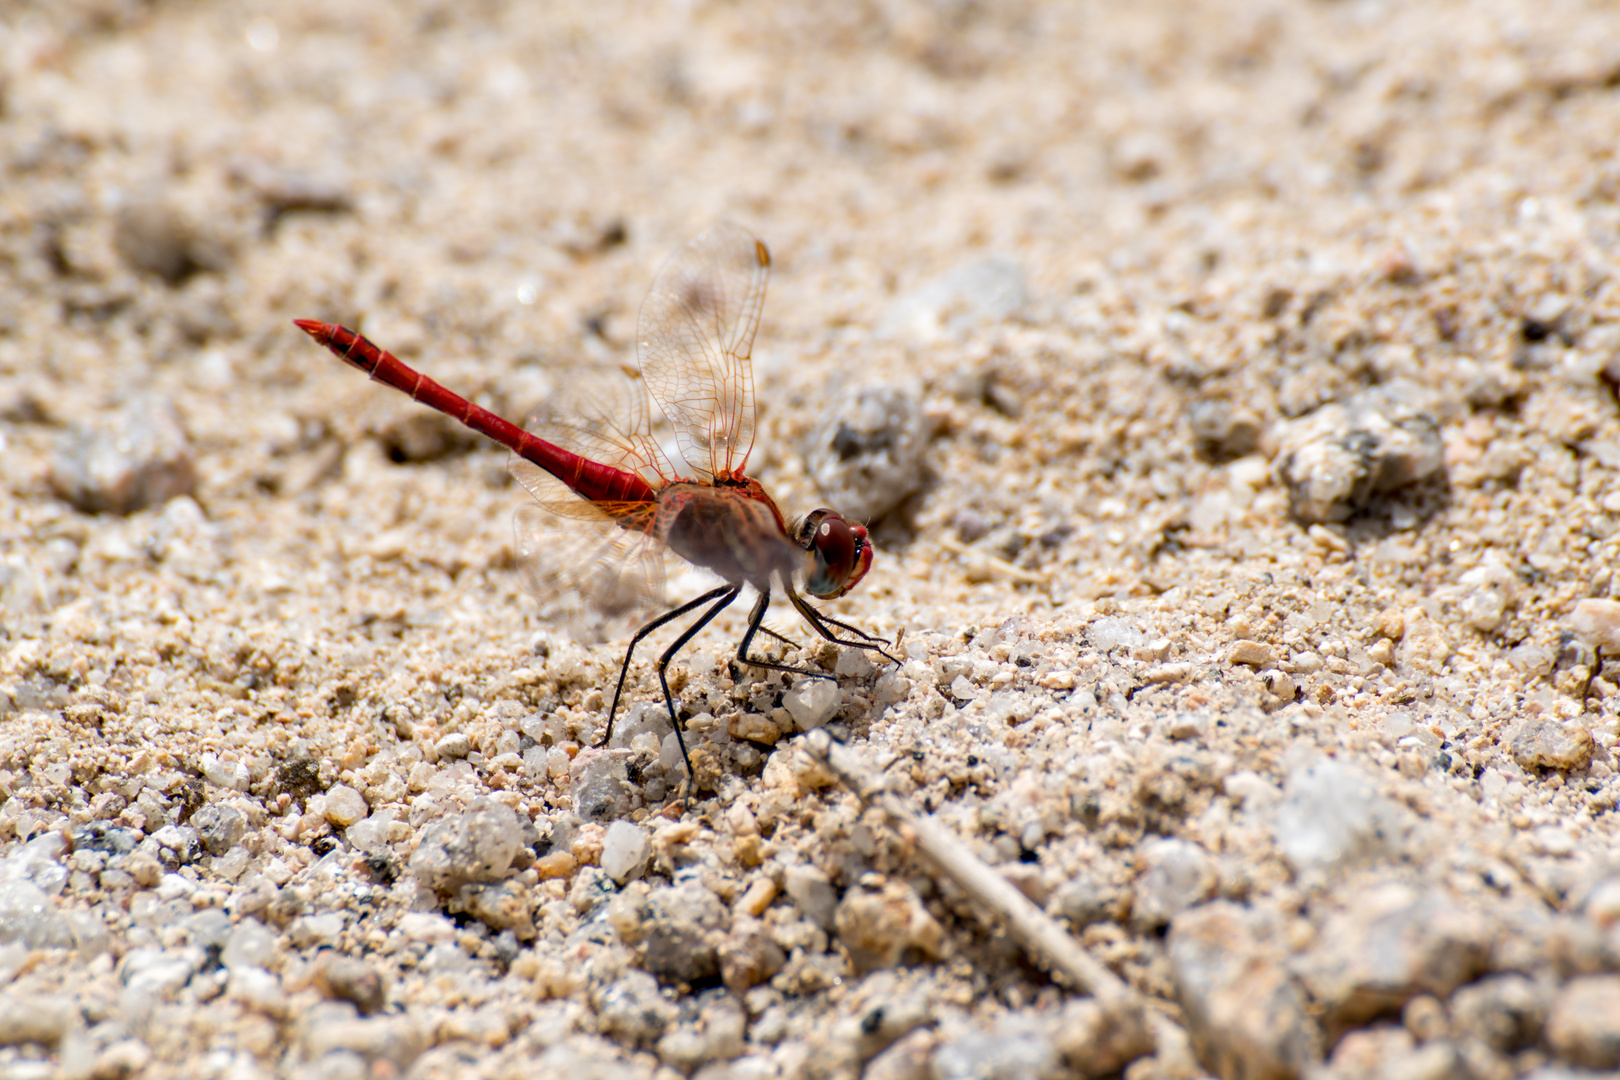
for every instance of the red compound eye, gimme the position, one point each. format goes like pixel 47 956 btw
pixel 842 553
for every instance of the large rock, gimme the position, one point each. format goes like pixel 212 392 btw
pixel 1391 945
pixel 1334 460
pixel 1245 1013
pixel 1584 1025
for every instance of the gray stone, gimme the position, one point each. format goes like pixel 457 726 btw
pixel 1505 1012
pixel 716 1036
pixel 1334 460
pixel 625 848
pixel 585 1058
pixel 108 838
pixel 1391 945
pixel 867 453
pixel 1245 1014
pixel 633 1010
pixel 599 784
pixel 812 894
pixel 35 1018
pixel 138 458
pixel 1179 874
pixel 1018 1047
pixel 1583 1026
pixel 219 827
pixel 1084 900
pixel 1331 815
pixel 885 925
pixel 684 928
pixel 479 845
pixel 1098 1038
pixel 1546 742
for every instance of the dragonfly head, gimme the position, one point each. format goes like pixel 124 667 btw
pixel 840 551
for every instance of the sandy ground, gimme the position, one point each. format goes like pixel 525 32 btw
pixel 1335 795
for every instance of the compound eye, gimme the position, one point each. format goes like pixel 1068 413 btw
pixel 836 550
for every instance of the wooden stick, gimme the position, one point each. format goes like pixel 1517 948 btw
pixel 1040 935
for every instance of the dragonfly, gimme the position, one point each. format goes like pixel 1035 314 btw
pixel 596 462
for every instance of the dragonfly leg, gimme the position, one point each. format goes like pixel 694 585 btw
pixel 643 632
pixel 724 596
pixel 784 639
pixel 754 627
pixel 822 622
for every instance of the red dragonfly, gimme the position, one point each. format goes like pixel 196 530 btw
pixel 601 464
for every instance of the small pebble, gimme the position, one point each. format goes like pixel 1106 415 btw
pixel 453 746
pixel 812 894
pixel 219 827
pixel 1583 1026
pixel 1018 1045
pixel 972 293
pixel 887 925
pixel 1505 1012
pixel 1245 1013
pixel 258 989
pixel 866 456
pixel 812 702
pixel 1597 622
pixel 35 1019
pixel 1332 815
pixel 502 906
pixel 1223 431
pixel 1546 742
pixel 1099 1038
pixel 749 956
pixel 625 848
pixel 344 805
pixel 633 1010
pixel 154 234
pixel 1334 460
pixel 684 927
pixel 1179 874
pixel 138 458
pixel 1393 944
pixel 599 784
pixel 351 980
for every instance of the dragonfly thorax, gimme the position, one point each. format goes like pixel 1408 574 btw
pixel 733 530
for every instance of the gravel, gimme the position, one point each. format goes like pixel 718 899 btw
pixel 1231 393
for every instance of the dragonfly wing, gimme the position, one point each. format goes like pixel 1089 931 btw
pixel 695 340
pixel 603 560
pixel 584 575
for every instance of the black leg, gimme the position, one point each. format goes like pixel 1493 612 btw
pixel 727 594
pixel 821 622
pixel 754 627
pixel 643 632
pixel 779 637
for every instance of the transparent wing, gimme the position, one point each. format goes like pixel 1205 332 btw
pixel 602 560
pixel 600 417
pixel 695 339
pixel 584 574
